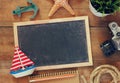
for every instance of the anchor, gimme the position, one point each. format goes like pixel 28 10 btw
pixel 32 7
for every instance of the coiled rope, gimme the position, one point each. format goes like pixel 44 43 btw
pixel 103 69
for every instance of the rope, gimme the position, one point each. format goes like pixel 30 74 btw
pixel 83 79
pixel 103 69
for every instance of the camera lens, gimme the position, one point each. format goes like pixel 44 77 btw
pixel 113 25
pixel 118 34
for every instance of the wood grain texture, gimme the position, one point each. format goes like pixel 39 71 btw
pixel 99 33
pixel 81 8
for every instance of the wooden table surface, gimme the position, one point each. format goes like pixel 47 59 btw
pixel 98 30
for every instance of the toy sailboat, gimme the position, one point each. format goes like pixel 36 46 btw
pixel 21 64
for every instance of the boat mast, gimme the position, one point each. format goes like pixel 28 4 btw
pixel 20 59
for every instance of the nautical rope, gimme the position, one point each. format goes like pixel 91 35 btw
pixel 103 69
pixel 83 79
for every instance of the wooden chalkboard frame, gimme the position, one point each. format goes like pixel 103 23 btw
pixel 85 18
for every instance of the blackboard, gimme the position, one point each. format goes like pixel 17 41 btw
pixel 55 43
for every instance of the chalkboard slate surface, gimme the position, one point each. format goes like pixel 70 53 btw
pixel 54 44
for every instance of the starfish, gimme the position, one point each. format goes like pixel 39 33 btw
pixel 61 3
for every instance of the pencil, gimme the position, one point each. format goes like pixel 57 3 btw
pixel 53 78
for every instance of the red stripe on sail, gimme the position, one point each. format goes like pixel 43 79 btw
pixel 28 62
pixel 15 64
pixel 16 60
pixel 16 52
pixel 13 69
pixel 23 59
pixel 17 56
pixel 20 60
pixel 16 67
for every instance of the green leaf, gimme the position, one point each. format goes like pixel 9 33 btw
pixel 109 5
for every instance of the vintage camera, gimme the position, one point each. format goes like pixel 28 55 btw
pixel 110 46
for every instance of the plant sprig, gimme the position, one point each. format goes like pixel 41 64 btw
pixel 106 6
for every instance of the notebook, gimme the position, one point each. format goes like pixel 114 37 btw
pixel 68 76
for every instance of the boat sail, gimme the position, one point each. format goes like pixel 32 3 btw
pixel 21 64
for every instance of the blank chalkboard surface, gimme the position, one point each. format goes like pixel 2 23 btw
pixel 56 43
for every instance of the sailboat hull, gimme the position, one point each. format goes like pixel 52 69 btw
pixel 23 73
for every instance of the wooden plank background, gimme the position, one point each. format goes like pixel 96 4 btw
pixel 81 8
pixel 98 29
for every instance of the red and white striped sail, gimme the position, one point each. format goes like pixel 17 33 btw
pixel 20 60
